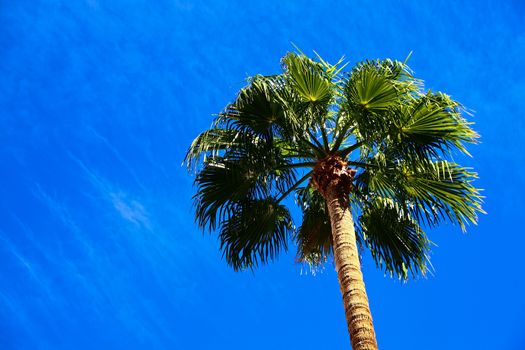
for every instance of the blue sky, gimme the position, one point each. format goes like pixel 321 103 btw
pixel 98 103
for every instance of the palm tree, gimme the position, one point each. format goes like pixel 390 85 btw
pixel 363 154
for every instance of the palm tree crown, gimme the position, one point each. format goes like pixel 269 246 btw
pixel 375 127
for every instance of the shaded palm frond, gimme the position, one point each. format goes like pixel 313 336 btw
pixel 254 171
pixel 256 232
pixel 211 142
pixel 372 182
pixel 397 243
pixel 314 236
pixel 257 108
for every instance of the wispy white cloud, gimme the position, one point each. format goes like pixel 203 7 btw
pixel 130 209
pixel 127 206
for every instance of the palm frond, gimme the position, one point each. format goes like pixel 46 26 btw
pixel 256 232
pixel 312 86
pixel 373 91
pixel 442 190
pixel 433 191
pixel 397 243
pixel 308 78
pixel 433 121
pixel 211 142
pixel 257 108
pixel 253 172
pixel 314 236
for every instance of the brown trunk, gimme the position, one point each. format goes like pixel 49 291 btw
pixel 334 180
pixel 348 266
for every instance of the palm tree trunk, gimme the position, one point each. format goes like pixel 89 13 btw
pixel 348 266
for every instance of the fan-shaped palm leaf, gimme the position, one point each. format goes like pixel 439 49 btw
pixel 314 237
pixel 435 121
pixel 445 190
pixel 396 241
pixel 256 232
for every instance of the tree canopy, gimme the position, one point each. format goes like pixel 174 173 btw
pixel 378 119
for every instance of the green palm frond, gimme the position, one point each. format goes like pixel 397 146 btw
pixel 256 232
pixel 373 91
pixel 433 191
pixel 257 107
pixel 397 243
pixel 377 182
pixel 219 186
pixel 256 113
pixel 311 89
pixel 252 172
pixel 380 85
pixel 314 237
pixel 308 79
pixel 433 122
pixel 210 143
pixel 443 190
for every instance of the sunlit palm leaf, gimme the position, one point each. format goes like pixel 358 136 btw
pixel 307 77
pixel 445 190
pixel 312 87
pixel 373 91
pixel 434 120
